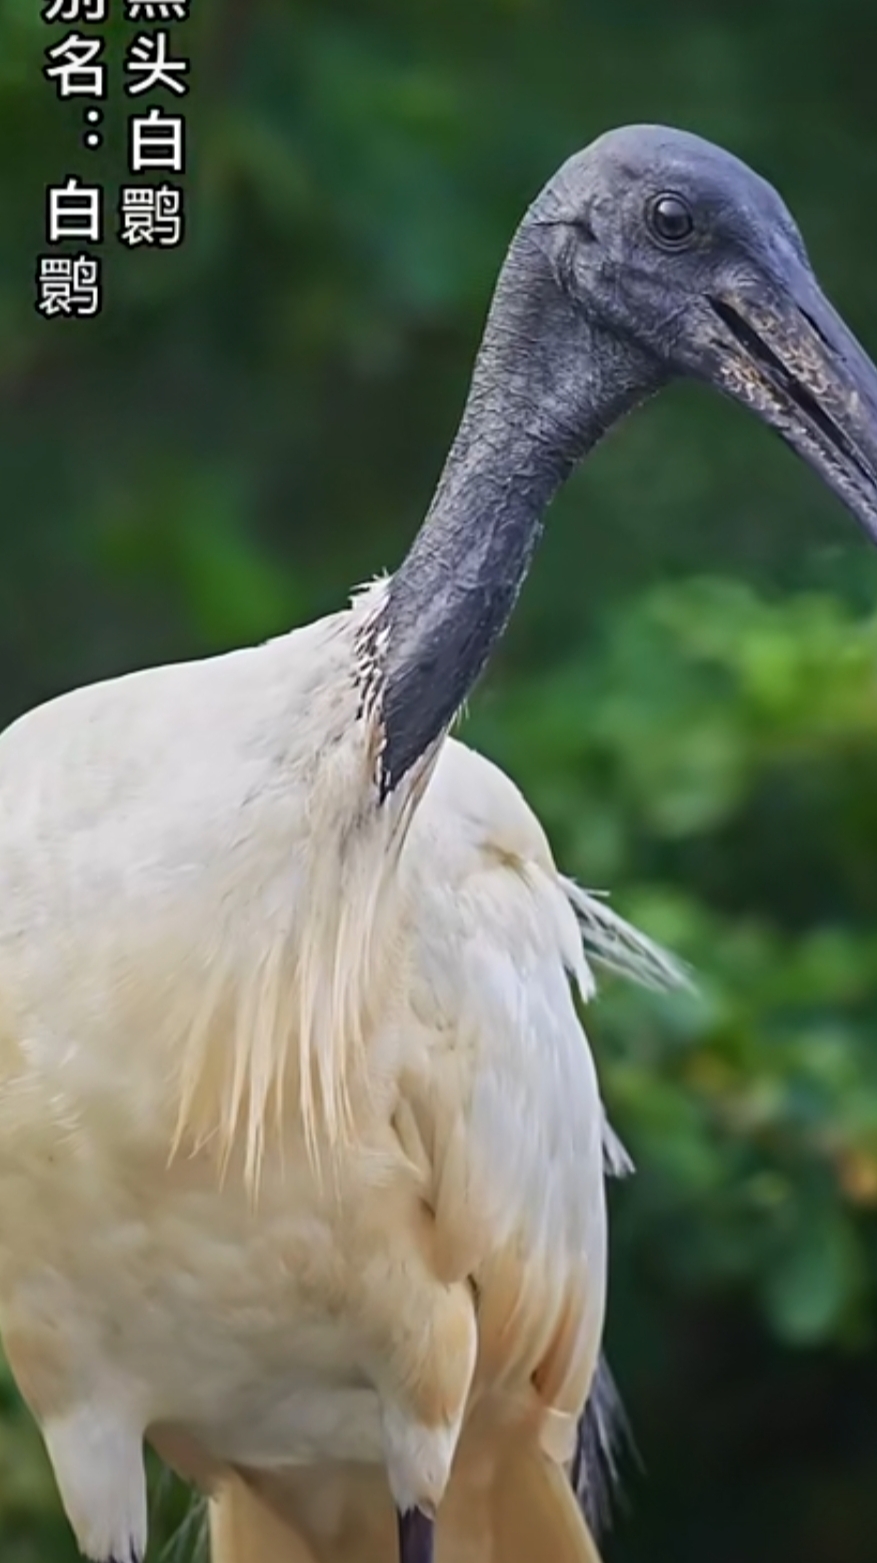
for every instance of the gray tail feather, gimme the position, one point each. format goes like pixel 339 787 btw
pixel 603 1437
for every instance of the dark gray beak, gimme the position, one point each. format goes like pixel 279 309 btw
pixel 783 351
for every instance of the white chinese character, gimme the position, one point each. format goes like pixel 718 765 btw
pixel 86 285
pixel 68 285
pixel 156 10
pixel 137 211
pixel 151 214
pixel 74 11
pixel 157 141
pixel 73 67
pixel 55 285
pixel 74 212
pixel 149 64
pixel 169 215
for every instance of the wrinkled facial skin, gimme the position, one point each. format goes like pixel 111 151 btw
pixel 614 258
pixel 674 244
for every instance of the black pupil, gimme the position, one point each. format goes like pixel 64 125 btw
pixel 673 220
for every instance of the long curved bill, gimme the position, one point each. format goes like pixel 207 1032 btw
pixel 785 352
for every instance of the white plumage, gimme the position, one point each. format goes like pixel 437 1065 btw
pixel 173 1261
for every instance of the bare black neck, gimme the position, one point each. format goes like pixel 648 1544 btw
pixel 546 386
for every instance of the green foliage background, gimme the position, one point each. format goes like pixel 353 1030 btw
pixel 688 694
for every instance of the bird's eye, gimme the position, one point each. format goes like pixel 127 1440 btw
pixel 671 221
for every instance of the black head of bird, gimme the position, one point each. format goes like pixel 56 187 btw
pixel 678 248
pixel 651 254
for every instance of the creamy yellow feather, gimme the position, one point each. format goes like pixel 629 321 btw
pixel 179 1038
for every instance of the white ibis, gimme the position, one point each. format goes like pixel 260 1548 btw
pixel 301 1141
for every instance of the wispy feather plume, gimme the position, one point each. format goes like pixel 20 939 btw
pixel 612 942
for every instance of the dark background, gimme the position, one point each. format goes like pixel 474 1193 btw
pixel 688 694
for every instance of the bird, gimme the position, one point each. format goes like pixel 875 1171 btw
pixel 302 1143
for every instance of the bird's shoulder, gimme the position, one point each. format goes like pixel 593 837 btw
pixel 137 719
pixel 482 887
